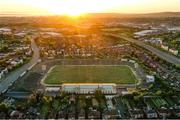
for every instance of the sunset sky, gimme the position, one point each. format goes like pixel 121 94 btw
pixel 47 7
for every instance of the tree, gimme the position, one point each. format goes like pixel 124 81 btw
pixel 46 100
pixel 4 107
pixel 101 99
pixel 98 95
pixel 34 98
pixel 82 102
pixel 177 67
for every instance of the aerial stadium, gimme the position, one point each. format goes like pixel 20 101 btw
pixel 88 78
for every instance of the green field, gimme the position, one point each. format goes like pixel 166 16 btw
pixel 90 74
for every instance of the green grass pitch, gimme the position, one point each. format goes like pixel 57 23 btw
pixel 118 74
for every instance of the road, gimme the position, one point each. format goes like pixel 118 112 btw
pixel 21 95
pixel 163 55
pixel 14 75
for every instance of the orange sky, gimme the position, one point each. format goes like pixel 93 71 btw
pixel 74 7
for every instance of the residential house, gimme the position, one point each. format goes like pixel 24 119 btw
pixel 163 112
pixel 3 115
pixel 81 114
pixel 94 114
pixel 61 114
pixel 136 113
pixel 112 114
pixel 95 103
pixel 176 112
pixel 15 114
pixel 150 79
pixel 150 113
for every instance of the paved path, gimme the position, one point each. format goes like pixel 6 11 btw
pixel 14 75
pixel 163 55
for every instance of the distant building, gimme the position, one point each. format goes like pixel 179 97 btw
pixel 145 32
pixel 165 47
pixel 132 61
pixel 156 41
pixel 173 51
pixel 136 65
pixel 124 60
pixel 5 29
pixel 52 91
pixel 21 34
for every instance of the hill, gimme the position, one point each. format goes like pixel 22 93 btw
pixel 121 15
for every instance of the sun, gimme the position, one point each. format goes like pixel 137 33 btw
pixel 74 14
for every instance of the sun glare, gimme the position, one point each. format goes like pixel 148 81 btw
pixel 66 11
pixel 69 7
pixel 62 7
pixel 80 7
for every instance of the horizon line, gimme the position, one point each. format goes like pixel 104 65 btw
pixel 43 14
